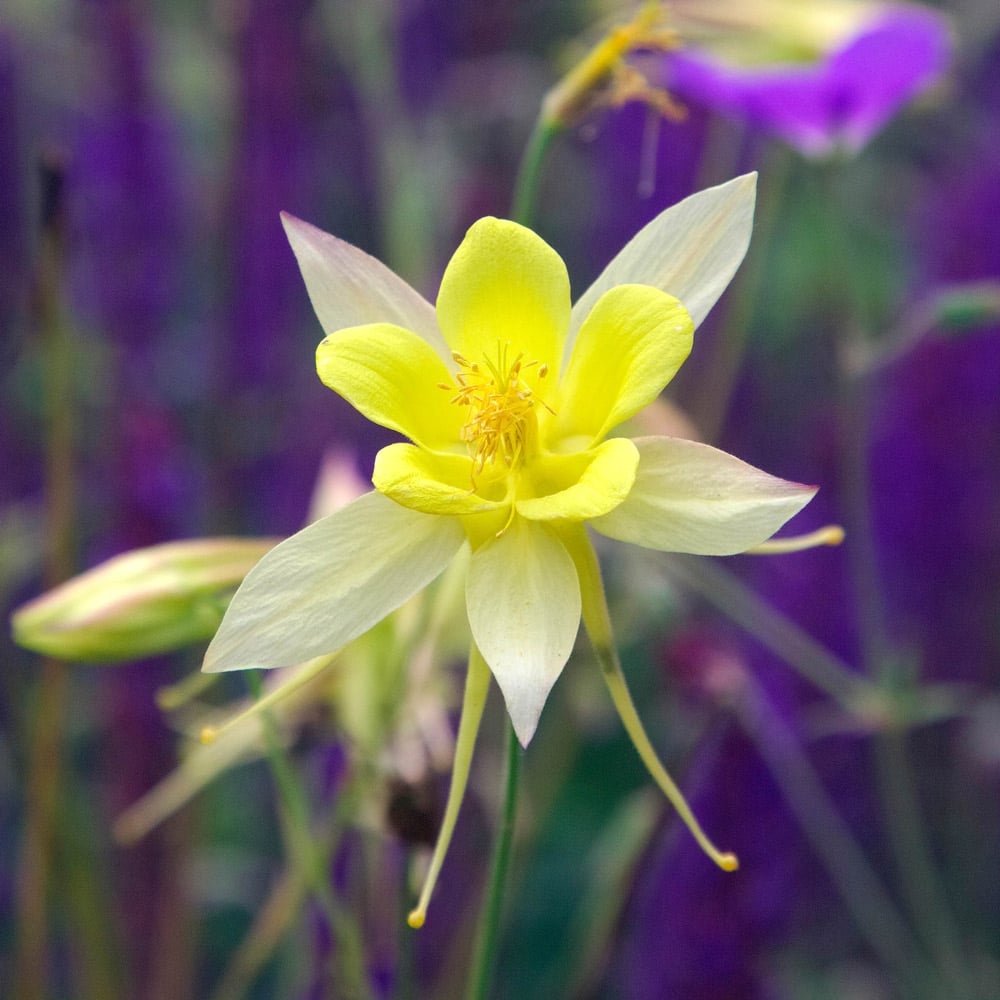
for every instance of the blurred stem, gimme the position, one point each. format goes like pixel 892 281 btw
pixel 364 34
pixel 484 960
pixel 524 203
pixel 310 861
pixel 405 950
pixel 45 756
pixel 269 926
pixel 907 834
pixel 83 891
pixel 903 818
pixel 711 407
pixel 171 975
pixel 611 868
pixel 797 648
pixel 831 838
pixel 275 918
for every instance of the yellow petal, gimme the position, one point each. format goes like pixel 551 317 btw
pixel 431 482
pixel 582 486
pixel 628 349
pixel 505 284
pixel 392 376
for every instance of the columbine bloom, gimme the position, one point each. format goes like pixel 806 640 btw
pixel 510 399
pixel 824 75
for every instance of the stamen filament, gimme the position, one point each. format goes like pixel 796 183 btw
pixel 501 406
pixel 830 534
pixel 307 671
pixel 477 685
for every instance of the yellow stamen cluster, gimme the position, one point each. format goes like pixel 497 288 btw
pixel 501 405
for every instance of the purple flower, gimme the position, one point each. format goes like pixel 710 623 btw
pixel 835 103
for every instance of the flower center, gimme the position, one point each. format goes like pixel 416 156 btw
pixel 501 406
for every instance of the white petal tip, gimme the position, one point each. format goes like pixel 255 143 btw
pixel 524 727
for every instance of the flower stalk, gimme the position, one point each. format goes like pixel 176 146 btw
pixel 489 928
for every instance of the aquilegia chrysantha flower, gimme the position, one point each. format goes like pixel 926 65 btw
pixel 510 400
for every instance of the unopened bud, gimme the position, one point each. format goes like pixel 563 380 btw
pixel 141 603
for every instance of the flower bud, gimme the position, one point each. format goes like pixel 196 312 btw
pixel 140 603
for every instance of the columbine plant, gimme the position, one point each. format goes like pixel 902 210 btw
pixel 510 399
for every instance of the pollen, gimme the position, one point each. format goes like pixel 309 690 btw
pixel 501 403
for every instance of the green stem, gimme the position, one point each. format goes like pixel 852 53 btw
pixel 850 872
pixel 919 878
pixel 489 926
pixel 405 951
pixel 904 822
pixel 524 203
pixel 36 858
pixel 270 924
pixel 309 860
pixel 711 408
pixel 797 648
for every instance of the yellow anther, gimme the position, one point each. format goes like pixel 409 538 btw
pixel 501 403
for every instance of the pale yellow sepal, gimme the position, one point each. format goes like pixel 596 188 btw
pixel 628 349
pixel 331 582
pixel 690 497
pixel 690 250
pixel 347 287
pixel 394 378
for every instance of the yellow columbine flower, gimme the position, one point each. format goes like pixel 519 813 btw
pixel 509 398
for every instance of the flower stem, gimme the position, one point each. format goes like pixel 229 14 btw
pixel 525 199
pixel 797 648
pixel 831 838
pixel 905 824
pixel 45 768
pixel 270 923
pixel 307 858
pixel 489 926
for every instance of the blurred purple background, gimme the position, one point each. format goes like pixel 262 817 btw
pixel 178 132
